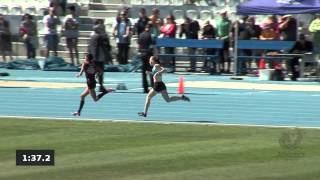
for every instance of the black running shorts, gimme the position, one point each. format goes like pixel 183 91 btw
pixel 91 82
pixel 159 86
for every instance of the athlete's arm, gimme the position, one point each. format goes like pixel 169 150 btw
pixel 160 69
pixel 81 71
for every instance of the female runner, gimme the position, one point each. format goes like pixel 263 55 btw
pixel 90 70
pixel 159 87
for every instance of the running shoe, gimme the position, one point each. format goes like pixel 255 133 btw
pixel 185 98
pixel 76 113
pixel 142 114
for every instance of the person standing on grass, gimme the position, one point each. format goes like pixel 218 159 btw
pixel 51 21
pixel 159 87
pixel 5 38
pixel 90 70
pixel 70 29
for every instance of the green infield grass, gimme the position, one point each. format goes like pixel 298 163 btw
pixel 92 150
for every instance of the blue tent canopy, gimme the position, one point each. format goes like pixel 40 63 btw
pixel 267 7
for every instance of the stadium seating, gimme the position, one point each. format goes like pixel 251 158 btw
pixel 149 2
pixel 179 16
pixel 42 11
pixel 108 22
pixel 205 15
pixel 307 18
pixel 72 1
pixel 164 2
pixel 116 1
pixel 221 3
pixel 40 27
pixel 16 10
pixel 15 21
pixel 192 14
pixel 4 9
pixel 136 2
pixel 83 1
pixel 31 10
pixel 177 2
pixel 203 3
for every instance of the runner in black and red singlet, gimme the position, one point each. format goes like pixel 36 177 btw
pixel 90 70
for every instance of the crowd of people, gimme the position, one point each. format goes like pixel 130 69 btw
pixel 148 28
pixel 272 28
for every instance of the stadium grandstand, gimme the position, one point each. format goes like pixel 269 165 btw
pixel 107 10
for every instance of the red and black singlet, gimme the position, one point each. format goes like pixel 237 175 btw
pixel 90 70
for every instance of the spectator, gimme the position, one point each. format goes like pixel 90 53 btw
pixel 99 47
pixel 28 32
pixel 50 22
pixel 55 4
pixel 248 30
pixel 209 32
pixel 145 42
pixel 288 28
pixel 100 23
pixel 124 10
pixel 121 31
pixel 60 6
pixel 156 23
pixel 314 28
pixel 241 25
pixel 142 22
pixel 70 29
pixel 5 38
pixel 223 29
pixel 63 5
pixel 169 31
pixel 269 31
pixel 191 30
pixel 275 22
pixel 300 47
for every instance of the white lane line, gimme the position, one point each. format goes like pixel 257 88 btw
pixel 161 122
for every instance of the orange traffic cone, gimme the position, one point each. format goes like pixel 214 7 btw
pixel 262 64
pixel 181 85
